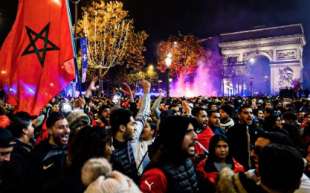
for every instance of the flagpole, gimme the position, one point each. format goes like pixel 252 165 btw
pixel 77 78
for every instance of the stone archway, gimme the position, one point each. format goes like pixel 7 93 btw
pixel 282 46
pixel 258 66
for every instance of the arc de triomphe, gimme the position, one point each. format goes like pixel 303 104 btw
pixel 282 46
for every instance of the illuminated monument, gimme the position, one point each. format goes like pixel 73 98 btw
pixel 262 61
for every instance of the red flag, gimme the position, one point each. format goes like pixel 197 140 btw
pixel 36 58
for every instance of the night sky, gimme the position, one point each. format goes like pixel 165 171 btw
pixel 203 18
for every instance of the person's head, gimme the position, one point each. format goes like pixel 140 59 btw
pixel 177 136
pixel 289 117
pixel 214 119
pixel 213 107
pixel 278 122
pixel 58 129
pixel 201 115
pixel 175 108
pixel 300 116
pixel 115 183
pixel 260 114
pixel 148 131
pixel 245 115
pixel 122 124
pixel 268 112
pixel 77 119
pixel 219 149
pixel 265 138
pixel 226 111
pixel 306 120
pixel 104 111
pixel 6 145
pixel 21 127
pixel 94 168
pixel 281 168
pixel 268 105
pixel 90 142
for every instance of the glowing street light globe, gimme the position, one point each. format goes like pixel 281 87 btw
pixel 168 59
pixel 252 60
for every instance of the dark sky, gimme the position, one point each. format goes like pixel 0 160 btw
pixel 203 18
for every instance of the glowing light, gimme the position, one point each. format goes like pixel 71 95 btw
pixel 252 60
pixel 3 71
pixel 57 2
pixel 52 84
pixel 13 90
pixel 151 67
pixel 188 93
pixel 169 55
pixel 199 86
pixel 29 90
pixel 168 59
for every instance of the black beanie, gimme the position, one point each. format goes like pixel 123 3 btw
pixel 6 138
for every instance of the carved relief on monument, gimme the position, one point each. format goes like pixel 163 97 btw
pixel 288 54
pixel 286 75
pixel 232 58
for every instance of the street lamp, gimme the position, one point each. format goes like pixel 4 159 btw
pixel 168 62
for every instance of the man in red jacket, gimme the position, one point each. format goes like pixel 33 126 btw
pixel 205 134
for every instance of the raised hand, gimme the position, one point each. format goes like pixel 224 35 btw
pixel 186 108
pixel 127 90
pixel 146 85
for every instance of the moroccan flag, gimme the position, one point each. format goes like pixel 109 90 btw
pixel 37 58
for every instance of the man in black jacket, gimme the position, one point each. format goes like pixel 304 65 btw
pixel 126 132
pixel 240 136
pixel 6 148
pixel 23 132
pixel 50 155
pixel 171 169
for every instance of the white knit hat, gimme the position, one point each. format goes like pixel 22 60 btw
pixel 116 183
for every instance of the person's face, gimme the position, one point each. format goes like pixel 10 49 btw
pixel 306 120
pixel 214 120
pixel 147 133
pixel 260 115
pixel 5 154
pixel 60 132
pixel 176 109
pixel 130 129
pixel 106 113
pixel 108 150
pixel 188 144
pixel 213 107
pixel 268 105
pixel 278 122
pixel 246 116
pixel 202 118
pixel 223 115
pixel 260 143
pixel 300 116
pixel 29 131
pixel 221 150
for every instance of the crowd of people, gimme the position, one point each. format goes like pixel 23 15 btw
pixel 95 144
